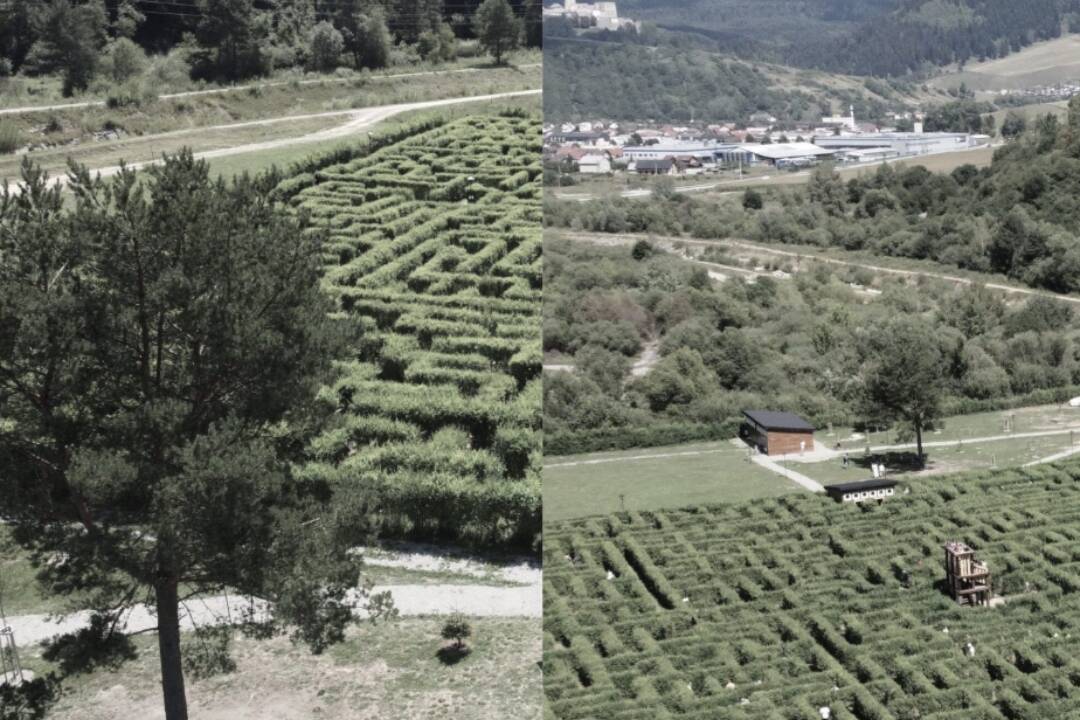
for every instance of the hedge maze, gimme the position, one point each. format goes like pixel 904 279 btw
pixel 774 609
pixel 433 255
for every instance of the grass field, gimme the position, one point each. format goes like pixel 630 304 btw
pixel 382 672
pixel 1044 63
pixel 697 473
pixel 691 474
pixel 955 458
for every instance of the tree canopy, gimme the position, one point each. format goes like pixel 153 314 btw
pixel 161 345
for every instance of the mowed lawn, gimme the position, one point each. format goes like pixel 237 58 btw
pixel 655 479
pixel 1034 419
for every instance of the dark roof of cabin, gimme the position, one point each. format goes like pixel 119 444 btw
pixel 861 486
pixel 772 420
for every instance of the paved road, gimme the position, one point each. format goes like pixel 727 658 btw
pixel 240 88
pixel 608 238
pixel 360 119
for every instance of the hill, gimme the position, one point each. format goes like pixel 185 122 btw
pixel 1044 63
pixel 667 80
pixel 866 37
pixel 773 609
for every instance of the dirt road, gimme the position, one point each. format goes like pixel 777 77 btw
pixel 359 120
pixel 669 243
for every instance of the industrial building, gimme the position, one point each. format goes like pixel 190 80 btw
pixel 777 433
pixel 705 153
pixel 903 144
pixel 789 154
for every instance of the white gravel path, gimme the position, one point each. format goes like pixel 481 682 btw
pixel 524 599
pixel 359 120
pixel 769 464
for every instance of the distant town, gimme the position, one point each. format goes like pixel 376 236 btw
pixel 601 147
pixel 590 16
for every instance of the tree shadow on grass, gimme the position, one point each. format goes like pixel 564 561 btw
pixel 896 462
pixel 91 647
pixel 453 654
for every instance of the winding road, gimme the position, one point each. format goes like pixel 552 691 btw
pixel 358 120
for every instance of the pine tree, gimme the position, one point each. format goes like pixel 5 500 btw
pixel 161 345
pixel 497 28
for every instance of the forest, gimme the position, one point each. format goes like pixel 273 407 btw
pixel 230 40
pixel 803 343
pixel 865 37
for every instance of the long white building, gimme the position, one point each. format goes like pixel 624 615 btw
pixel 903 144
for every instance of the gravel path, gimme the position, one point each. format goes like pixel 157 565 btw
pixel 359 120
pixel 477 600
pixel 613 238
pixel 769 464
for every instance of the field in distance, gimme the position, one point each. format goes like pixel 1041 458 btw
pixel 776 609
pixel 1044 63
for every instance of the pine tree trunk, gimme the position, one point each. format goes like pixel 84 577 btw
pixel 172 672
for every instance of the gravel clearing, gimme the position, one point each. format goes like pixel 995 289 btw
pixel 524 599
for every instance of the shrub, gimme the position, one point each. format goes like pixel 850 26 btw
pixel 458 629
pixel 10 138
pixel 326 46
pixel 123 60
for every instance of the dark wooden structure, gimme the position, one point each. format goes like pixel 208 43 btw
pixel 862 491
pixel 967 578
pixel 777 433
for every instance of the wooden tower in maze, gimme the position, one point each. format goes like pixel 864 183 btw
pixel 967 578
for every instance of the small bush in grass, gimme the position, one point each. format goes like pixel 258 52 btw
pixel 206 652
pixel 10 138
pixel 458 629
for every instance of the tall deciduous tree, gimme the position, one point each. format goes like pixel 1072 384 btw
pixel 497 28
pixel 230 32
pixel 363 27
pixel 161 345
pixel 70 39
pixel 411 18
pixel 905 376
